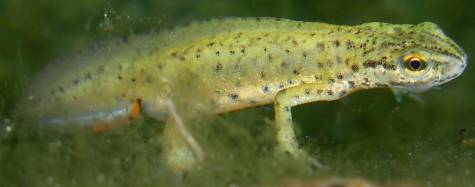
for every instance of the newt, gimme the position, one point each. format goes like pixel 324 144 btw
pixel 235 63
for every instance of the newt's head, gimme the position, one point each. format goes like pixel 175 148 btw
pixel 420 57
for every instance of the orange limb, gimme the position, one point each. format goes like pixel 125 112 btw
pixel 135 109
pixel 134 113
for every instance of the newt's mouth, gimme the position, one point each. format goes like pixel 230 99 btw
pixel 456 68
pixel 416 86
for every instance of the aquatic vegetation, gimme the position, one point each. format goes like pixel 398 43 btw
pixel 367 135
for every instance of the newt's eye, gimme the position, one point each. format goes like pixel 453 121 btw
pixel 415 63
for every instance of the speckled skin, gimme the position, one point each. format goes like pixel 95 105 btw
pixel 238 63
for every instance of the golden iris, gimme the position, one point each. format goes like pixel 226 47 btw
pixel 414 63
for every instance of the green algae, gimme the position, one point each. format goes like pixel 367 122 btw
pixel 367 134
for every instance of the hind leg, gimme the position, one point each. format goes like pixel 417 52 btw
pixel 180 148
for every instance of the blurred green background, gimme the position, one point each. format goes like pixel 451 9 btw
pixel 368 134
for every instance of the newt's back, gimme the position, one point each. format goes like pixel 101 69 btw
pixel 238 63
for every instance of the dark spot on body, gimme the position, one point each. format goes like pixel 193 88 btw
pixel 231 52
pixel 263 75
pixel 338 60
pixel 371 64
pixel 133 79
pixel 287 51
pixel 389 66
pixel 351 84
pixel 270 57
pixel 318 77
pixel 182 58
pixel 297 97
pixel 284 64
pixel 350 44
pixel 307 91
pixel 210 44
pixel 339 76
pixel 321 46
pixel 397 30
pixel 218 67
pixel 355 68
pixel 295 42
pixel 337 43
pixel 217 53
pixel 290 81
pixel 265 89
pixel 119 77
pixel 296 72
pixel 233 96
pixel 331 80
pixel 330 92
pixel 365 82
pixel 368 51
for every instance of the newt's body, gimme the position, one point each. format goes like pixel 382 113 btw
pixel 239 63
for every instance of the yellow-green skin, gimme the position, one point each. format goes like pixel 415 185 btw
pixel 230 64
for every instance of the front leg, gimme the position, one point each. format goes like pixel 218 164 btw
pixel 293 96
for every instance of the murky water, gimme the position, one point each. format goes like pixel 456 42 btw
pixel 365 135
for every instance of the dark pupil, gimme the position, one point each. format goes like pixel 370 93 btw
pixel 415 64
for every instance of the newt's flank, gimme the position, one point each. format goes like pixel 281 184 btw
pixel 235 64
